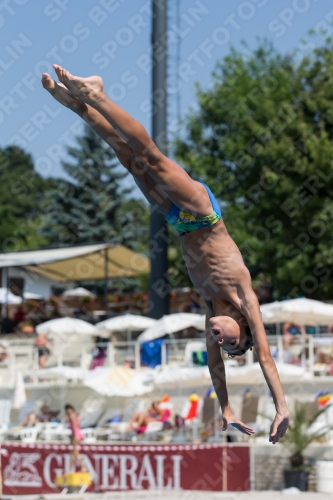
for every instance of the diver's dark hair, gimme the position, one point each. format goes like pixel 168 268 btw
pixel 247 345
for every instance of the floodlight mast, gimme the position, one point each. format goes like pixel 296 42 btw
pixel 159 281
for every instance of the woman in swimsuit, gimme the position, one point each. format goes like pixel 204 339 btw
pixel 213 260
pixel 73 420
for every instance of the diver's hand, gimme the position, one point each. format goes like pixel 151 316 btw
pixel 230 419
pixel 279 427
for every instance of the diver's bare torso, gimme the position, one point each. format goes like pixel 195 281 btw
pixel 215 265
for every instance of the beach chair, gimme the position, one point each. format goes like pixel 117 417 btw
pixel 188 421
pixel 90 418
pixel 29 406
pixel 250 404
pixel 209 410
pixel 88 423
pixel 14 431
pixel 248 415
pixel 161 429
pixel 323 422
pixel 113 424
pixel 151 432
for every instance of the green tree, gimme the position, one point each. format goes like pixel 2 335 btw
pixel 87 209
pixel 21 193
pixel 262 138
pixel 134 215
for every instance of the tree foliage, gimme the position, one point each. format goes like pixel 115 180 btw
pixel 303 431
pixel 21 192
pixel 89 208
pixel 262 138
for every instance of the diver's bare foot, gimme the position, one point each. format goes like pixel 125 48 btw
pixel 88 90
pixel 61 94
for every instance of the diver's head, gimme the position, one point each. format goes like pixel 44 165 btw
pixel 233 335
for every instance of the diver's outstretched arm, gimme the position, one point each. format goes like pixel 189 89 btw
pixel 251 312
pixel 217 373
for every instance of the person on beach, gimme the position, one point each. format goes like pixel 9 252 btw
pixel 73 420
pixel 213 260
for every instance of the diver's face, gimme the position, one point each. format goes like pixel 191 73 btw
pixel 228 333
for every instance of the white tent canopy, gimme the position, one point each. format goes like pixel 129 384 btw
pixel 302 311
pixel 169 324
pixel 65 326
pixel 78 292
pixel 125 323
pixel 80 262
pixel 7 297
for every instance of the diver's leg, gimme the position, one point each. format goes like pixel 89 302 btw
pixel 169 176
pixel 152 192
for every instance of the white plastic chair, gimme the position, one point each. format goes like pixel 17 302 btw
pixel 30 434
pixel 89 435
pixel 55 431
pixel 70 350
pixel 153 428
pixel 191 347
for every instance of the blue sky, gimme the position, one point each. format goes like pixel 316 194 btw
pixel 112 38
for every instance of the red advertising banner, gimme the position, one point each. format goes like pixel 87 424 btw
pixel 32 468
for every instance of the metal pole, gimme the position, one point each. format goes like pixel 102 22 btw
pixel 252 467
pixel 137 355
pixel 106 274
pixel 280 348
pixel 6 297
pixel 159 282
pixel 111 355
pixel 311 355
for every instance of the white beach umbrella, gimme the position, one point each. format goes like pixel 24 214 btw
pixel 201 324
pixel 302 311
pixel 252 374
pixel 119 381
pixel 65 326
pixel 127 323
pixel 7 297
pixel 19 395
pixel 78 292
pixel 61 372
pixel 173 377
pixel 32 296
pixel 169 324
